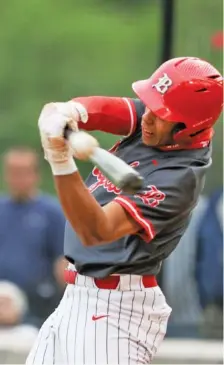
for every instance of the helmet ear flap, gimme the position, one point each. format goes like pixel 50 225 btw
pixel 178 127
pixel 183 137
pixel 180 136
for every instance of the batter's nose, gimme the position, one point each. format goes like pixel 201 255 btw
pixel 149 117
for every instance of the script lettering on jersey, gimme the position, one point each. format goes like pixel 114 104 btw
pixel 152 196
pixel 103 181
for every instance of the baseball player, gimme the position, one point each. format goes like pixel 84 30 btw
pixel 113 311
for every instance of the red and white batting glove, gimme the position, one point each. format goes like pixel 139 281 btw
pixel 53 120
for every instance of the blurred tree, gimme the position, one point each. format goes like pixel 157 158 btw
pixel 167 26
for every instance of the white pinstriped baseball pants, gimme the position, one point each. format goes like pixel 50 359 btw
pixel 132 326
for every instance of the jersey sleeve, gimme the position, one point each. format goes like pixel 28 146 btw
pixel 115 115
pixel 166 194
pixel 140 109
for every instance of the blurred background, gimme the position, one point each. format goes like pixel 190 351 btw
pixel 54 51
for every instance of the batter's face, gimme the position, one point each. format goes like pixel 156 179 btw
pixel 155 131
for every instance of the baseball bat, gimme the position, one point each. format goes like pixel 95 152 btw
pixel 114 169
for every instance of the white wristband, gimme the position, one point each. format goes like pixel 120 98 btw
pixel 65 168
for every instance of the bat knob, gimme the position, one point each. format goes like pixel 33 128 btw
pixel 131 183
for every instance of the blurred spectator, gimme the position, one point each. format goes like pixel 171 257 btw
pixel 14 308
pixel 209 270
pixel 31 235
pixel 178 280
pixel 13 304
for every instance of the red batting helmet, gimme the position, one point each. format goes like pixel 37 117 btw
pixel 185 90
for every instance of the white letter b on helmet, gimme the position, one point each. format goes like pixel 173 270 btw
pixel 163 84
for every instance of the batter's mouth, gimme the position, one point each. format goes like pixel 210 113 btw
pixel 148 133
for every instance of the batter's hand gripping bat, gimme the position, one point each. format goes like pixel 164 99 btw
pixel 114 169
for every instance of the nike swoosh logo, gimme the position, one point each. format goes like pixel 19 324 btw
pixel 95 318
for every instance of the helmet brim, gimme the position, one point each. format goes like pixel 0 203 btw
pixel 154 101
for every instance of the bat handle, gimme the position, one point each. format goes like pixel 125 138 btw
pixel 117 171
pixel 114 169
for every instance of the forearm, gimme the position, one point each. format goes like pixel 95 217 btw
pixel 87 217
pixel 113 115
pixel 81 209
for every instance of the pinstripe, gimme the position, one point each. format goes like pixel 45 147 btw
pixel 153 303
pixel 76 322
pixel 53 360
pixel 68 327
pixel 59 326
pixel 140 323
pixel 130 318
pixel 163 332
pixel 96 321
pixel 38 344
pixel 84 337
pixel 147 333
pixel 133 342
pixel 153 344
pixel 108 305
pixel 44 353
pixel 154 298
pixel 47 343
pixel 76 281
pixel 63 314
pixel 118 334
pixel 40 341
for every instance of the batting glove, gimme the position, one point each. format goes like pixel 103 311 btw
pixel 53 120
